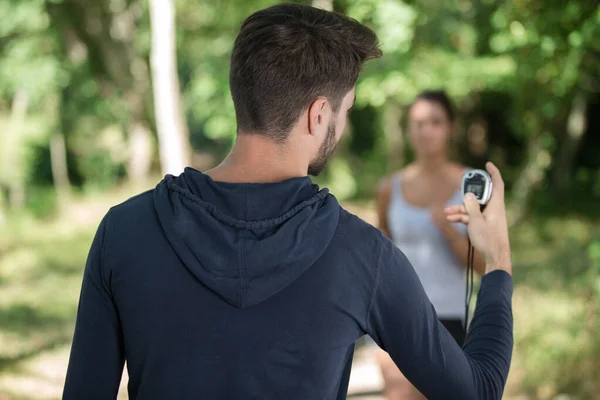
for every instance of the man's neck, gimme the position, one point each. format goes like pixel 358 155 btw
pixel 256 159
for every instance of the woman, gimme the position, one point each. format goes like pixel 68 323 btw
pixel 410 208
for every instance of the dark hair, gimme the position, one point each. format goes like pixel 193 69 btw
pixel 286 56
pixel 440 97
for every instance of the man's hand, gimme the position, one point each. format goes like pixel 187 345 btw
pixel 488 230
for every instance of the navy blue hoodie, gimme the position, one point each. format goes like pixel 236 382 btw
pixel 214 290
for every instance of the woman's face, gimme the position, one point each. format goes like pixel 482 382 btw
pixel 429 128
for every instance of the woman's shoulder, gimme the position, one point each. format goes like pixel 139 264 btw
pixel 458 170
pixel 406 173
pixel 384 185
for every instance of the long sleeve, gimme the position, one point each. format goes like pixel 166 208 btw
pixel 403 322
pixel 97 357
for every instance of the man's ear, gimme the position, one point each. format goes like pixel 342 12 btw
pixel 317 116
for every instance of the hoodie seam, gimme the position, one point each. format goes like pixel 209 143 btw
pixel 242 275
pixel 375 285
pixel 318 197
pixel 241 266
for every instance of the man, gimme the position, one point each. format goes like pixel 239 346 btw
pixel 248 282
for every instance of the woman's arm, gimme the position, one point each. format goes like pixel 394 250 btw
pixel 382 200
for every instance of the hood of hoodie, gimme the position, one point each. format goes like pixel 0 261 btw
pixel 245 241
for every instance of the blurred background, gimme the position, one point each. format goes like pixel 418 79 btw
pixel 99 99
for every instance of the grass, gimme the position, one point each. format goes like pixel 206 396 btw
pixel 41 266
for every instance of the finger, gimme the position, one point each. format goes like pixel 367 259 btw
pixel 496 176
pixel 456 209
pixel 497 183
pixel 473 207
pixel 458 218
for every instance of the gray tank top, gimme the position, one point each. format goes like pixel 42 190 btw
pixel 440 272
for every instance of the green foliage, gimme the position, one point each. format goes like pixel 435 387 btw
pixel 207 36
pixel 41 201
pixel 559 347
pixel 28 61
pixel 535 57
pixel 366 126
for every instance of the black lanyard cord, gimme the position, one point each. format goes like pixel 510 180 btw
pixel 469 294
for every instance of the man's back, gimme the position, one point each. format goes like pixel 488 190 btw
pixel 264 307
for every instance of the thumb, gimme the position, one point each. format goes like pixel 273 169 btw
pixel 472 206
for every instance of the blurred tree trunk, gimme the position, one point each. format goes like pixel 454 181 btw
pixel 392 116
pixel 324 4
pixel 58 154
pixel 141 146
pixel 13 163
pixel 534 171
pixel 173 134
pixel 60 171
pixel 576 127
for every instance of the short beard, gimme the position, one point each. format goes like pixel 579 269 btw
pixel 326 150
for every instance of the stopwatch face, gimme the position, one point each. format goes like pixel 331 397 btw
pixel 475 187
pixel 479 183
